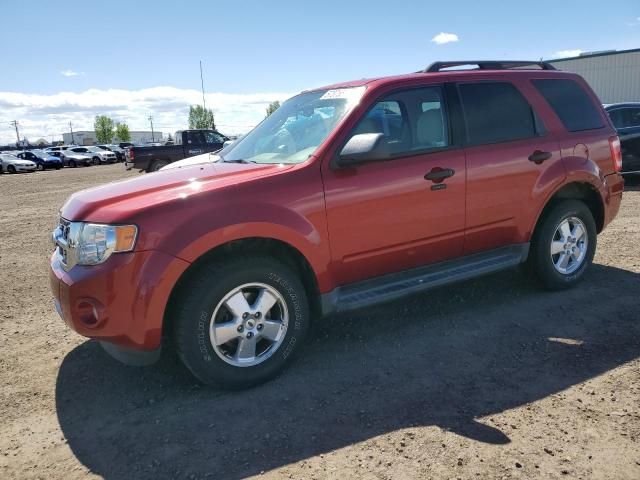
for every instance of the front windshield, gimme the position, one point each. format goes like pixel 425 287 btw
pixel 94 149
pixel 295 130
pixel 40 153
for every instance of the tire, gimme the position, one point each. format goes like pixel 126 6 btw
pixel 205 296
pixel 72 164
pixel 96 161
pixel 546 265
pixel 157 165
pixel 58 167
pixel 39 167
pixel 11 169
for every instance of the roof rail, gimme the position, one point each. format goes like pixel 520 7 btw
pixel 487 65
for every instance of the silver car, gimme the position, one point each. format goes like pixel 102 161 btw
pixel 98 155
pixel 12 164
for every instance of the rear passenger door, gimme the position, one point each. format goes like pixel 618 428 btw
pixel 508 153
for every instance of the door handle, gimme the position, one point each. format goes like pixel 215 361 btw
pixel 437 174
pixel 539 156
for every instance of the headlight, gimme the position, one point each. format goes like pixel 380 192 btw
pixel 93 243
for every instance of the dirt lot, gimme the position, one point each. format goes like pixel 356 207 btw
pixel 487 379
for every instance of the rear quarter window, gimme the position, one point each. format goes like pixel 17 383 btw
pixel 571 103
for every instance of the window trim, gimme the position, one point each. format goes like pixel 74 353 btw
pixel 444 95
pixel 534 115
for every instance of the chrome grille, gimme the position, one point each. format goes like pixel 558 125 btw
pixel 63 237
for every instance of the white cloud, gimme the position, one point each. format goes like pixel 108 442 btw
pixel 70 73
pixel 49 115
pixel 444 37
pixel 567 53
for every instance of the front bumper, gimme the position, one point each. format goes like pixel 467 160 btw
pixel 121 301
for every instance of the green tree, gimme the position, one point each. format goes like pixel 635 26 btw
pixel 273 106
pixel 104 128
pixel 199 117
pixel 122 132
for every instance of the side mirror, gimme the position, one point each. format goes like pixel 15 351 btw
pixel 365 147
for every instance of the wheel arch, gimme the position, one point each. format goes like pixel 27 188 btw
pixel 577 190
pixel 278 249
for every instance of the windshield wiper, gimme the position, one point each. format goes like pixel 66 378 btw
pixel 239 160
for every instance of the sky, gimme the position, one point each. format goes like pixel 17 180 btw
pixel 67 61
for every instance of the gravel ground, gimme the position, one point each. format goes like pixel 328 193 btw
pixel 486 379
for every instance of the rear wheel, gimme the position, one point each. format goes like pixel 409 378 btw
pixel 157 165
pixel 11 169
pixel 240 322
pixel 564 245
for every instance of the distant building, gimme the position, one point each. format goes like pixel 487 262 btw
pixel 86 137
pixel 614 75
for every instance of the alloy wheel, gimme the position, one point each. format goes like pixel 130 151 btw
pixel 249 324
pixel 569 245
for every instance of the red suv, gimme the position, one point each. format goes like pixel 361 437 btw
pixel 347 195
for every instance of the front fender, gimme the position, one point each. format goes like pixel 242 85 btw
pixel 197 234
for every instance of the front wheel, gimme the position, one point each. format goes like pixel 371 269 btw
pixel 240 322
pixel 40 167
pixel 72 164
pixel 11 169
pixel 96 161
pixel 563 245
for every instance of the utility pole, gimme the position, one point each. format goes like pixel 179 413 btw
pixel 153 137
pixel 204 104
pixel 73 140
pixel 15 124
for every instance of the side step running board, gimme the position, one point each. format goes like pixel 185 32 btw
pixel 397 285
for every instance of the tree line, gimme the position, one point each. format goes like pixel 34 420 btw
pixel 199 117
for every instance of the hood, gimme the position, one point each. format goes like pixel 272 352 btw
pixel 118 201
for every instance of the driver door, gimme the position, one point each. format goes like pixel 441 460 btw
pixel 385 216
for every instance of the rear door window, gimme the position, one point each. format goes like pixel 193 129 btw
pixel 571 103
pixel 496 112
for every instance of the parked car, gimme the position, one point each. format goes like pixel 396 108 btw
pixel 187 144
pixel 119 152
pixel 626 120
pixel 11 164
pixel 344 197
pixel 98 155
pixel 73 159
pixel 42 159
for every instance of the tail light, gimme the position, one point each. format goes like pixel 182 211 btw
pixel 616 153
pixel 131 155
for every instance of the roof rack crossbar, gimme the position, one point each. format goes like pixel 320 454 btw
pixel 488 65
